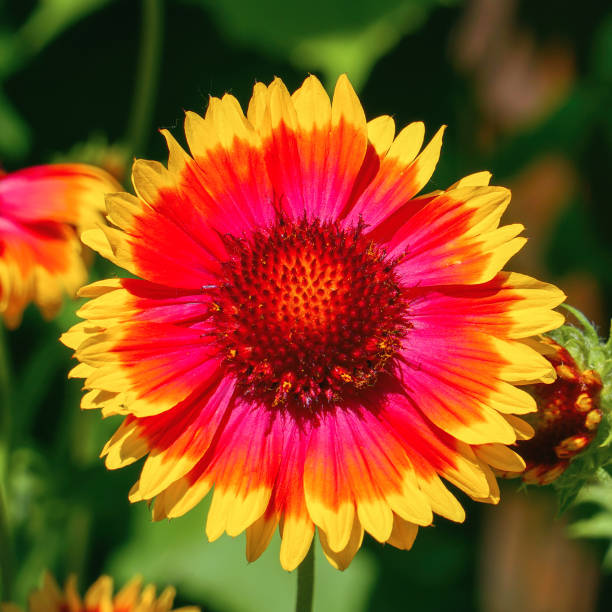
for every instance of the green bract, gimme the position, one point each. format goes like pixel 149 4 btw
pixel 593 467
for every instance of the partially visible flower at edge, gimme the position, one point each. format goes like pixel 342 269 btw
pixel 567 419
pixel 573 424
pixel 307 337
pixel 43 210
pixel 98 598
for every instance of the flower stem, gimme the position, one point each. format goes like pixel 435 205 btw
pixel 147 76
pixel 5 548
pixel 305 583
pixel 5 437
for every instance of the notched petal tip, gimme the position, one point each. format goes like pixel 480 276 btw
pixel 312 105
pixel 149 178
pixel 342 559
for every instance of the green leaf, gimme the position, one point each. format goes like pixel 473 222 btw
pixel 333 37
pixel 49 19
pixel 15 134
pixel 357 51
pixel 568 496
pixel 600 526
pixel 606 564
pixel 601 60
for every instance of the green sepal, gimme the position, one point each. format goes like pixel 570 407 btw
pixel 590 353
pixel 588 480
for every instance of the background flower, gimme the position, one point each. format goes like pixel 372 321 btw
pixel 98 598
pixel 567 419
pixel 43 209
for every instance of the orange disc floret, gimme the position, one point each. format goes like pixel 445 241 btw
pixel 567 419
pixel 98 598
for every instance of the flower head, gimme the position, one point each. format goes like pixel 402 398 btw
pixel 99 598
pixel 42 211
pixel 306 337
pixel 572 445
pixel 567 419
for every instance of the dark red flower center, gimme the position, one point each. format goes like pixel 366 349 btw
pixel 307 313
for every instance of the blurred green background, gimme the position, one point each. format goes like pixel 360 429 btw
pixel 526 90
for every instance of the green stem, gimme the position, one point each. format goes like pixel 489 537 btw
pixel 5 437
pixel 147 76
pixel 5 549
pixel 305 583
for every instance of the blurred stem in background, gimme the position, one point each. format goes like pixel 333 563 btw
pixel 305 583
pixel 147 77
pixel 139 124
pixel 5 439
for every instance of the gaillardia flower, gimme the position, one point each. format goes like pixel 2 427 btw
pixel 307 337
pixel 42 211
pixel 99 598
pixel 567 419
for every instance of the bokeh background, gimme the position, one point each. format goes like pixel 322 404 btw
pixel 526 90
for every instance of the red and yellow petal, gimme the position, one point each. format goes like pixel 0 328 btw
pixel 396 177
pixel 288 501
pixel 467 396
pixel 175 440
pixel 244 468
pixel 131 299
pixel 374 470
pixel 454 238
pixel 228 179
pixel 43 209
pixel 159 249
pixel 99 598
pixel 60 193
pixel 341 559
pixel 328 494
pixel 331 142
pixel 38 264
pixel 511 305
pixel 242 463
pixel 313 149
pixel 157 365
pixel 462 397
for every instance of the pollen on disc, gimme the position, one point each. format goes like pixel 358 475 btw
pixel 307 313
